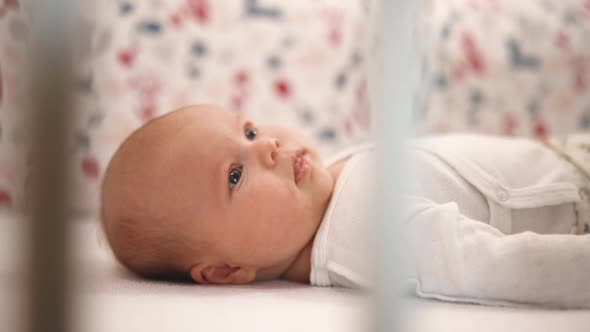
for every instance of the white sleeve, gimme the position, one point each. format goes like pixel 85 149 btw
pixel 459 259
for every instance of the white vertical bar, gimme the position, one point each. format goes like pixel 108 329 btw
pixel 397 73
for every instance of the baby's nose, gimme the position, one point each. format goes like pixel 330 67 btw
pixel 276 143
pixel 268 150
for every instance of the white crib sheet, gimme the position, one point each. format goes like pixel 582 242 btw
pixel 111 299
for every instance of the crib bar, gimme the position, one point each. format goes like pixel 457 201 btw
pixel 46 185
pixel 397 71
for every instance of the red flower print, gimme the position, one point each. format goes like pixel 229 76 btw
pixel 90 167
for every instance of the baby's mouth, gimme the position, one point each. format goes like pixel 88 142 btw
pixel 300 165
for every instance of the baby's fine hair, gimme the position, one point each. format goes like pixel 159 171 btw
pixel 149 248
pixel 144 238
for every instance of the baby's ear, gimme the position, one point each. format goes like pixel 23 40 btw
pixel 222 274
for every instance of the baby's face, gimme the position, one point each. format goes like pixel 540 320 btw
pixel 258 192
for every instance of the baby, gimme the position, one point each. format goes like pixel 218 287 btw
pixel 203 193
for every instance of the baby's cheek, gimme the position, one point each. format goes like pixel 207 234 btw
pixel 286 201
pixel 278 199
pixel 276 189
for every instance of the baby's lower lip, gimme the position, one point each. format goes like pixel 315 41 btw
pixel 300 167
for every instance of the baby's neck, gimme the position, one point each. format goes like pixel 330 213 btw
pixel 300 269
pixel 336 168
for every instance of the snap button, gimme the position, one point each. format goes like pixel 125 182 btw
pixel 502 195
pixel 583 193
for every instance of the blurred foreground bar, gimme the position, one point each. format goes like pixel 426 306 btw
pixel 397 71
pixel 50 114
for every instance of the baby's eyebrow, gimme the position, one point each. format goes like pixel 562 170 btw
pixel 238 124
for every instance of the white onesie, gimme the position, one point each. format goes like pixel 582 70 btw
pixel 490 220
pixel 341 246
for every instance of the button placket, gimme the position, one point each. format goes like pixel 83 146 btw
pixel 502 195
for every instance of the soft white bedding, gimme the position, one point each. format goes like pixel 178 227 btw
pixel 109 299
pixel 431 316
pixel 114 300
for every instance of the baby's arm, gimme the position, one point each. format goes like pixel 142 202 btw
pixel 460 259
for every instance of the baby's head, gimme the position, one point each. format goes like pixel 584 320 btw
pixel 203 193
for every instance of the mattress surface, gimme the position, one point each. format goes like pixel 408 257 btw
pixel 107 298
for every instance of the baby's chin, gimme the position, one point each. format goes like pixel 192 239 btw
pixel 325 180
pixel 320 192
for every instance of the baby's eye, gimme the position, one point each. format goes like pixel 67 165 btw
pixel 250 133
pixel 234 176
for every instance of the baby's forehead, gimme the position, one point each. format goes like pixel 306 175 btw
pixel 214 119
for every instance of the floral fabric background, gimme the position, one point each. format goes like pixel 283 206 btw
pixel 505 67
pixel 490 66
pixel 300 63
